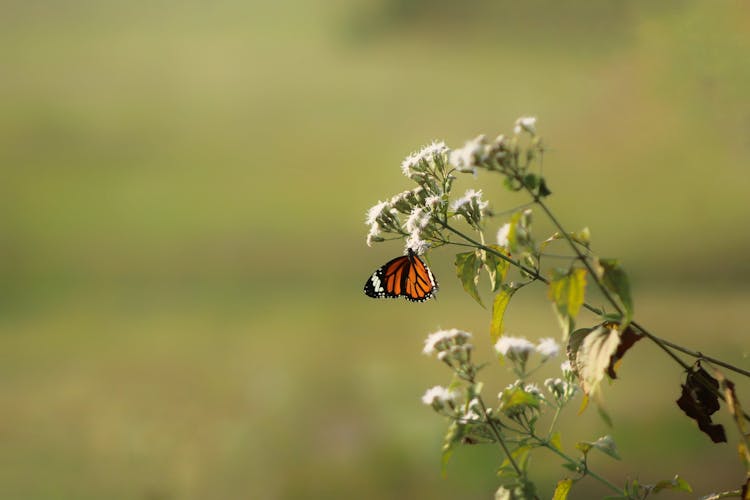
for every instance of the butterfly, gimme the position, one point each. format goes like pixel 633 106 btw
pixel 406 276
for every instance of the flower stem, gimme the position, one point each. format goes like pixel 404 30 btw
pixel 662 343
pixel 586 471
pixel 499 436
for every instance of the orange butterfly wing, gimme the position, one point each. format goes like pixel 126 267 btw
pixel 406 276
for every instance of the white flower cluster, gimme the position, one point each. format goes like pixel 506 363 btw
pixel 532 389
pixel 429 156
pixel 381 217
pixel 440 397
pixel 419 219
pixel 519 349
pixel 449 345
pixel 514 346
pixel 480 153
pixel 562 388
pixel 525 124
pixel 471 207
pixel 425 208
pixel 567 370
pixel 548 347
pixel 474 152
pixel 420 205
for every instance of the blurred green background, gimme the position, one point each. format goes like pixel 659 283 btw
pixel 182 200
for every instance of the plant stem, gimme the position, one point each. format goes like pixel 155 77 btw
pixel 662 343
pixel 598 281
pixel 657 340
pixel 571 460
pixel 696 354
pixel 494 252
pixel 554 421
pixel 499 437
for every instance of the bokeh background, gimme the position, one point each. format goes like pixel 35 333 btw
pixel 182 200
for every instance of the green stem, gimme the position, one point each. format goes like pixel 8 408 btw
pixel 499 437
pixel 603 289
pixel 586 470
pixel 661 343
pixel 665 345
pixel 695 354
pixel 494 252
pixel 554 421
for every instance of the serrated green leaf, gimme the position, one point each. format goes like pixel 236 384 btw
pixel 467 270
pixel 556 441
pixel 516 396
pixel 567 290
pixel 497 268
pixel 590 352
pixel 499 305
pixel 605 444
pixel 616 281
pixel 562 489
pixel 676 484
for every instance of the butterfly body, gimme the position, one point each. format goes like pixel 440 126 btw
pixel 405 276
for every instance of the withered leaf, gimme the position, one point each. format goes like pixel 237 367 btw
pixel 699 402
pixel 627 339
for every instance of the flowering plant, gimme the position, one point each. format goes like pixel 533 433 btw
pixel 429 216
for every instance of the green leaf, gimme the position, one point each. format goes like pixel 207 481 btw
pixel 499 304
pixel 452 438
pixel 531 181
pixel 567 290
pixel 562 490
pixel 556 441
pixel 467 270
pixel 515 397
pixel 616 281
pixel 676 484
pixel 604 444
pixel 590 352
pixel 496 267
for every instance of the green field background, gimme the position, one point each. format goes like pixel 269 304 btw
pixel 183 187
